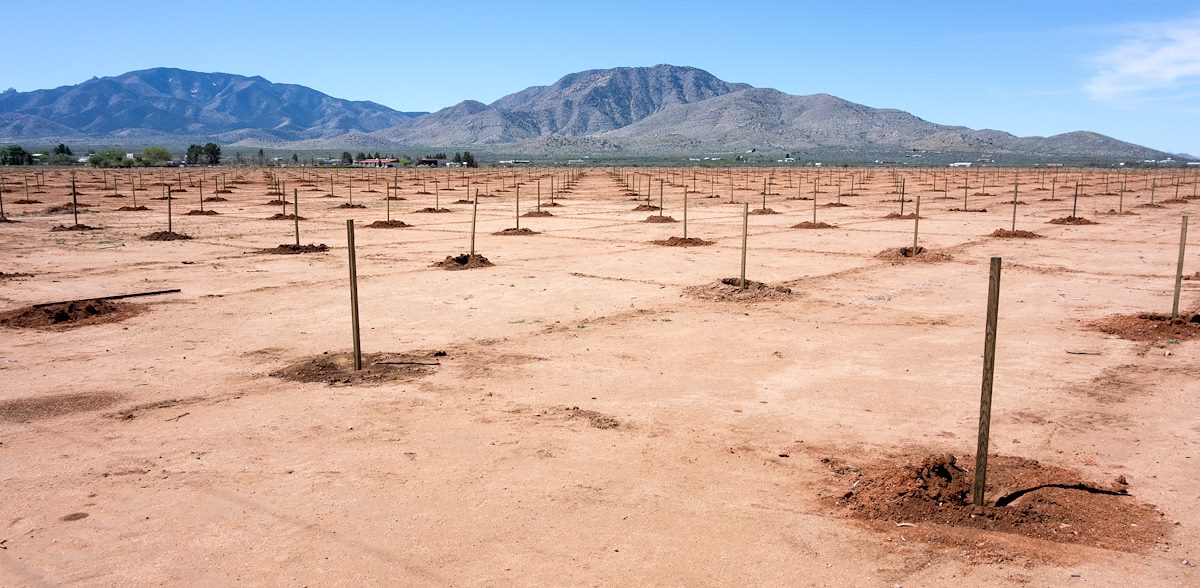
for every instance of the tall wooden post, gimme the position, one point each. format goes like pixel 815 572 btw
pixel 75 200
pixel 745 233
pixel 985 397
pixel 474 214
pixel 1014 215
pixel 685 212
pixel 1179 267
pixel 357 344
pixel 916 223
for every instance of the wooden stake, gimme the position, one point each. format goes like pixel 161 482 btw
pixel 75 200
pixel 296 212
pixel 660 197
pixel 1179 267
pixel 966 183
pixel 1075 200
pixel 1014 218
pixel 353 296
pixel 985 397
pixel 916 222
pixel 169 228
pixel 745 233
pixel 685 203
pixel 474 213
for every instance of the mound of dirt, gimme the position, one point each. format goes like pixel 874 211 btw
pixel 555 204
pixel 658 218
pixel 537 213
pixel 730 290
pixel 36 408
pixel 1195 276
pixel 348 205
pixel 201 213
pixel 430 209
pixel 1149 205
pixel 812 225
pixel 462 201
pixel 902 254
pixel 1149 326
pixel 464 261
pixel 281 216
pixel 293 249
pixel 275 202
pixel 835 205
pixel 645 208
pixel 930 498
pixel 165 236
pixel 896 215
pixel 1018 234
pixel 5 219
pixel 221 191
pixel 594 418
pixel 1113 212
pixel 138 208
pixel 1072 220
pixel 682 242
pixel 515 232
pixel 61 228
pixel 216 199
pixel 395 198
pixel 14 275
pixel 69 315
pixel 65 208
pixel 764 211
pixel 388 224
pixel 27 201
pixel 968 210
pixel 378 368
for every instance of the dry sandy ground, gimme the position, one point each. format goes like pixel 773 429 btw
pixel 589 423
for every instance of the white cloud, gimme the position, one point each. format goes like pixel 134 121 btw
pixel 1158 62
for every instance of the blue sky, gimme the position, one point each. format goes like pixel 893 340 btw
pixel 1123 68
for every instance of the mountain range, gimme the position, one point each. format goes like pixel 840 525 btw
pixel 663 109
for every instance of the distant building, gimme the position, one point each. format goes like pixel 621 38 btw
pixel 377 162
pixel 961 164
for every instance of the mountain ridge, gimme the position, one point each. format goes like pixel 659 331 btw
pixel 637 110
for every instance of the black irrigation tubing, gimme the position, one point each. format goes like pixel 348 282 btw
pixel 114 297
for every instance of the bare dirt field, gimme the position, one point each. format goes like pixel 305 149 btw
pixel 596 400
